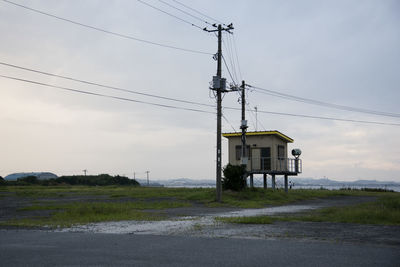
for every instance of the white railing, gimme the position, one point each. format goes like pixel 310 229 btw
pixel 263 164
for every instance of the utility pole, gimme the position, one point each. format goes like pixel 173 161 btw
pixel 219 85
pixel 243 125
pixel 85 171
pixel 134 175
pixel 147 173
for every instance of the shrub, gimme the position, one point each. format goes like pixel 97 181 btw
pixel 233 177
pixel 102 179
pixel 28 180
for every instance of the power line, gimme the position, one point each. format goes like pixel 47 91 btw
pixel 169 14
pixel 107 31
pixel 324 104
pixel 319 117
pixel 198 12
pixel 107 86
pixel 178 100
pixel 231 62
pixel 227 68
pixel 185 12
pixel 190 109
pixel 103 95
pixel 237 57
pixel 223 116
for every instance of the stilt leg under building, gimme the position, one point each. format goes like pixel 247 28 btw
pixel 265 181
pixel 286 183
pixel 273 181
pixel 251 181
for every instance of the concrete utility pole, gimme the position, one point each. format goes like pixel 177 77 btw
pixel 243 126
pixel 219 86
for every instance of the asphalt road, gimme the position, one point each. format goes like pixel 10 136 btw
pixel 40 248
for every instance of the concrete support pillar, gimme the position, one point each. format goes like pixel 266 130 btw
pixel 273 181
pixel 251 181
pixel 265 181
pixel 286 183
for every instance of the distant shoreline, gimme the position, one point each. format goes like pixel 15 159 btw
pixel 328 187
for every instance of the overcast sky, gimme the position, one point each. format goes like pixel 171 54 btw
pixel 340 52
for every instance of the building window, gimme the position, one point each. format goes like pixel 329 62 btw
pixel 239 152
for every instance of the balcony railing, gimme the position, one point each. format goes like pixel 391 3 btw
pixel 283 165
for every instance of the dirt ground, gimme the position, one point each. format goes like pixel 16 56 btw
pixel 199 221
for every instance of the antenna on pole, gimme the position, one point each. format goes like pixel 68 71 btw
pixel 148 182
pixel 256 109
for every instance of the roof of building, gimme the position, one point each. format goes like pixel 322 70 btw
pixel 262 133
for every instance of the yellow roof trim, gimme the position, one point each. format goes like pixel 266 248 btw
pixel 279 134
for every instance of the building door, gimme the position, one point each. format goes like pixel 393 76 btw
pixel 255 159
pixel 281 158
pixel 265 158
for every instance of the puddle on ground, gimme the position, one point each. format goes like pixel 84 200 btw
pixel 181 224
pixel 269 211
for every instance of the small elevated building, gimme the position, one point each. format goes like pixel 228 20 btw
pixel 266 153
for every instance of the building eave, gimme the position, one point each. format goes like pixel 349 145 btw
pixel 261 133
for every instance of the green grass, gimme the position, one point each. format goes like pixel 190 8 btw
pixel 139 205
pixel 249 198
pixel 386 210
pixel 66 215
pixel 141 199
pixel 112 191
pixel 258 198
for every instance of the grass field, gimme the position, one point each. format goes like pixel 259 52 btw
pixel 66 215
pixel 249 198
pixel 115 203
pixel 386 210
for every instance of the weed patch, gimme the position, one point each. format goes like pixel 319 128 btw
pixel 385 210
pixel 69 214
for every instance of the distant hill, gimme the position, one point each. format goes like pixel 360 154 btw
pixel 38 175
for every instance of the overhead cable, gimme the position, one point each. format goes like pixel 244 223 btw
pixel 223 116
pixel 185 12
pixel 237 57
pixel 230 59
pixel 198 12
pixel 169 14
pixel 104 95
pixel 184 101
pixel 319 117
pixel 107 31
pixel 227 68
pixel 324 104
pixel 107 86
